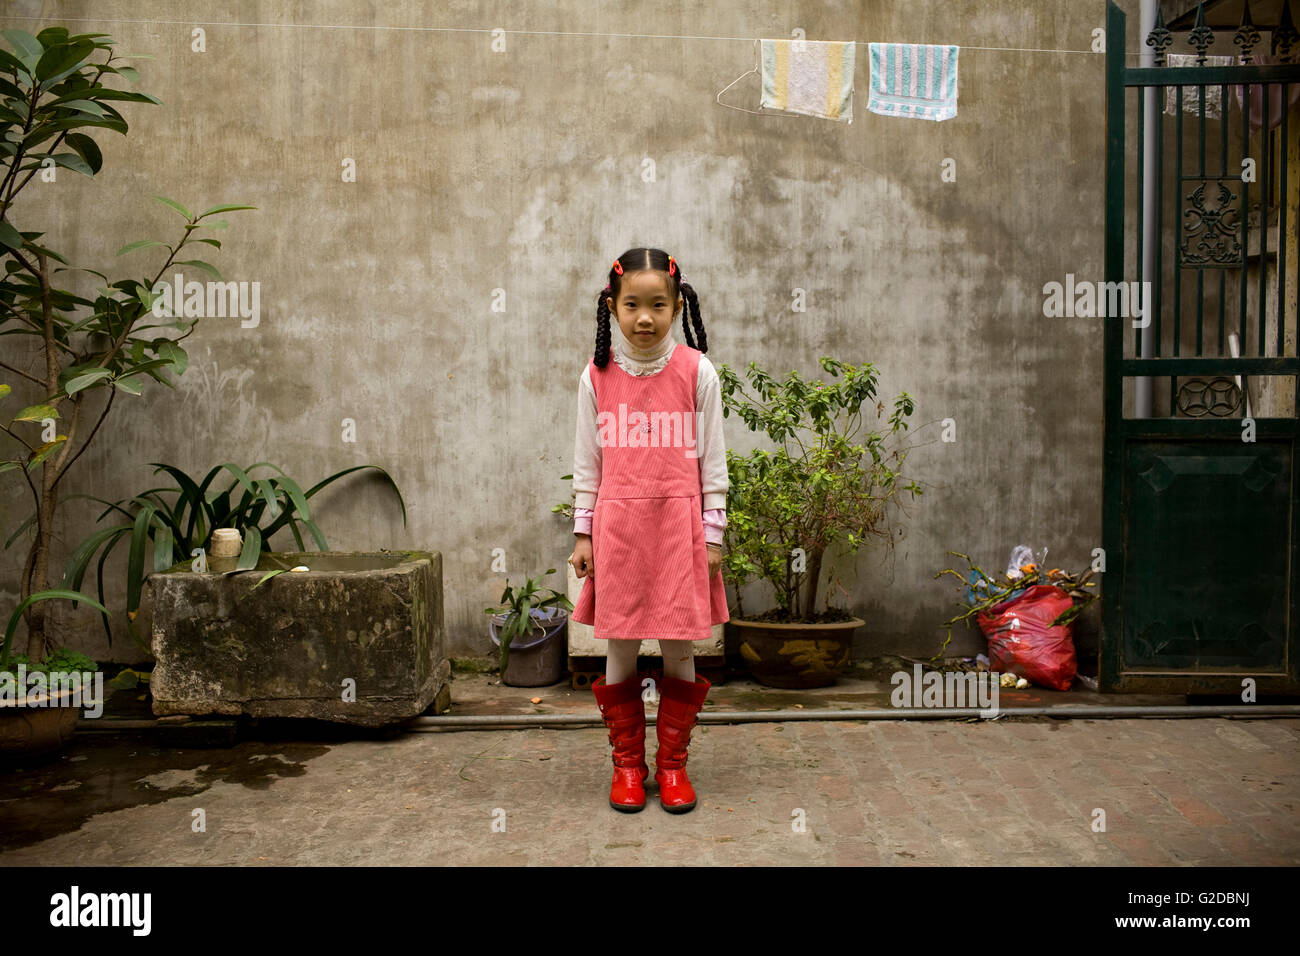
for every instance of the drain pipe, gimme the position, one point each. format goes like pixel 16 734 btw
pixel 422 724
pixel 494 721
pixel 1142 384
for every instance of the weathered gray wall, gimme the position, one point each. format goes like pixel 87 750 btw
pixel 522 170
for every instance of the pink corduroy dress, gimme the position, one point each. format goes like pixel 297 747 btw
pixel 647 530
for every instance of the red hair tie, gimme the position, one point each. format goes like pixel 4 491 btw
pixel 672 266
pixel 618 267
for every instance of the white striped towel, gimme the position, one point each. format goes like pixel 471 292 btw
pixel 913 80
pixel 812 77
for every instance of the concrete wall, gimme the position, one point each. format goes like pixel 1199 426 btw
pixel 523 171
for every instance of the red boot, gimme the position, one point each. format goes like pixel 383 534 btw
pixel 679 704
pixel 623 711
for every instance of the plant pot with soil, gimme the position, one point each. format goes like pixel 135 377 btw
pixel 529 630
pixel 824 486
pixel 41 701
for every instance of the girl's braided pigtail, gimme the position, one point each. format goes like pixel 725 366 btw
pixel 686 328
pixel 601 358
pixel 693 307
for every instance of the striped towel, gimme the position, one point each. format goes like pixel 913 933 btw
pixel 811 77
pixel 913 80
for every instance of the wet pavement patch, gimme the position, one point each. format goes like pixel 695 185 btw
pixel 96 773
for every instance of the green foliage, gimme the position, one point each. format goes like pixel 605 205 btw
pixel 182 522
pixel 52 97
pixel 55 594
pixel 823 485
pixel 518 605
pixel 61 661
pixel 52 90
pixel 563 507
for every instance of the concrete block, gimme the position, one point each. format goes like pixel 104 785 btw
pixel 358 639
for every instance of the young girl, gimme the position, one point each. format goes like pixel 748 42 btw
pixel 650 477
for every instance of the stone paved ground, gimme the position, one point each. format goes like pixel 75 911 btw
pixel 1011 791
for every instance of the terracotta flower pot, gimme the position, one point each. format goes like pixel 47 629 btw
pixel 29 730
pixel 796 656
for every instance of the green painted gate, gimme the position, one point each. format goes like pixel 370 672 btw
pixel 1200 520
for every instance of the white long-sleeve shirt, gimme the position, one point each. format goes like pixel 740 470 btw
pixel 708 430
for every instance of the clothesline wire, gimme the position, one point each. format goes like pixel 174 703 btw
pixel 555 33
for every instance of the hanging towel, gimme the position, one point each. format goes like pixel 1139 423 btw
pixel 1275 106
pixel 1192 94
pixel 913 80
pixel 812 77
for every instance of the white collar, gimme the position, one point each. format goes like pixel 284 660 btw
pixel 637 361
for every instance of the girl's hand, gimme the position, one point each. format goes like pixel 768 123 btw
pixel 714 552
pixel 581 559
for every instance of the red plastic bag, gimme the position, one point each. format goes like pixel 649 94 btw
pixel 1023 641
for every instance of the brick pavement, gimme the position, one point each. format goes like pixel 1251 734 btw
pixel 1011 791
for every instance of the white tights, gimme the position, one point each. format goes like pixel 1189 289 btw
pixel 620 660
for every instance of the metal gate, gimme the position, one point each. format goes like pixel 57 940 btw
pixel 1200 519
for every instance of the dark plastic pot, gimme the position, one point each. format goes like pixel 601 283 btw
pixel 536 656
pixel 796 656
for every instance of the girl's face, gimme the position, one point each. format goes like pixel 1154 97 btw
pixel 644 310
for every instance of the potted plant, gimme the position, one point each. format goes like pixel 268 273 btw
pixel 39 704
pixel 530 625
pixel 786 509
pixel 51 93
pixel 183 522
